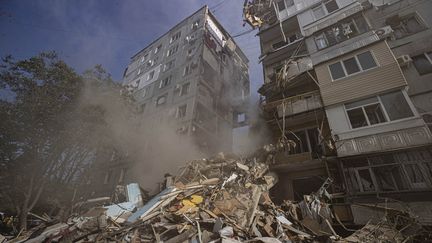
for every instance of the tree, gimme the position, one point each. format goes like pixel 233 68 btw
pixel 47 136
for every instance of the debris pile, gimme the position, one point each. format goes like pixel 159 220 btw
pixel 224 199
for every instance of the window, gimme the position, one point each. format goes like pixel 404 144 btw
pixel 406 25
pixel 175 37
pixel 151 75
pixel 139 71
pixel 190 51
pixel 396 105
pixel 169 65
pixel 337 71
pixel 423 63
pixel 331 6
pixel 289 3
pixel 145 91
pixel 184 89
pixel 181 111
pixel 399 171
pixel 195 25
pixel 321 41
pixel 391 106
pixel 366 60
pixel 319 12
pixel 188 69
pixel 353 65
pixel 365 113
pixel 144 58
pixel 172 51
pixel 281 5
pixel 158 48
pixel 165 82
pixel 341 31
pixel 306 140
pixel 161 100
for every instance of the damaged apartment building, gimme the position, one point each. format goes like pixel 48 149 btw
pixel 350 83
pixel 193 79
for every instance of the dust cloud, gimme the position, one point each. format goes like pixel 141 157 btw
pixel 151 149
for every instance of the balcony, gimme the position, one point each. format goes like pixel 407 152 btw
pixel 385 141
pixel 295 104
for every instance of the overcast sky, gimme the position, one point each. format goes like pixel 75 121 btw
pixel 109 32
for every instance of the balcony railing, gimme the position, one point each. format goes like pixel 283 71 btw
pixel 295 104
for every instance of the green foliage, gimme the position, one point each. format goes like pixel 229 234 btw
pixel 48 137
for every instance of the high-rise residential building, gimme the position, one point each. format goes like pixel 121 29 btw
pixel 194 77
pixel 193 80
pixel 349 82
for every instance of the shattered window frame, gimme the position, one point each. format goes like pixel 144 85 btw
pixel 423 63
pixel 184 89
pixel 334 34
pixel 165 82
pixel 391 173
pixel 404 27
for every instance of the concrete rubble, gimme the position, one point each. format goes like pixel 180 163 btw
pixel 223 199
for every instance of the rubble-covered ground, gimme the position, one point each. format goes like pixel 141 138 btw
pixel 223 199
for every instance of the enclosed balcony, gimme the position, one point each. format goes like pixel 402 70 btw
pixel 295 104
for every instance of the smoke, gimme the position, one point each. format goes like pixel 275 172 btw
pixel 151 149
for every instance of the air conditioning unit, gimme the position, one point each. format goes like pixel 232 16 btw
pixel 384 31
pixel 404 60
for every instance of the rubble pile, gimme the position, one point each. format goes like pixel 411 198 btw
pixel 225 199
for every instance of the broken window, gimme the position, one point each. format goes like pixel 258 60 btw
pixel 169 65
pixel 158 48
pixel 184 89
pixel 365 112
pixel 396 105
pixel 325 8
pixel 172 51
pixel 353 65
pixel 241 117
pixel 423 63
pixel 175 37
pixel 188 69
pixel 415 175
pixel 281 5
pixel 181 111
pixel 341 31
pixel 151 75
pixel 406 25
pixel 165 82
pixel 331 6
pixel 395 171
pixel 161 100
pixel 195 24
pixel 321 41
